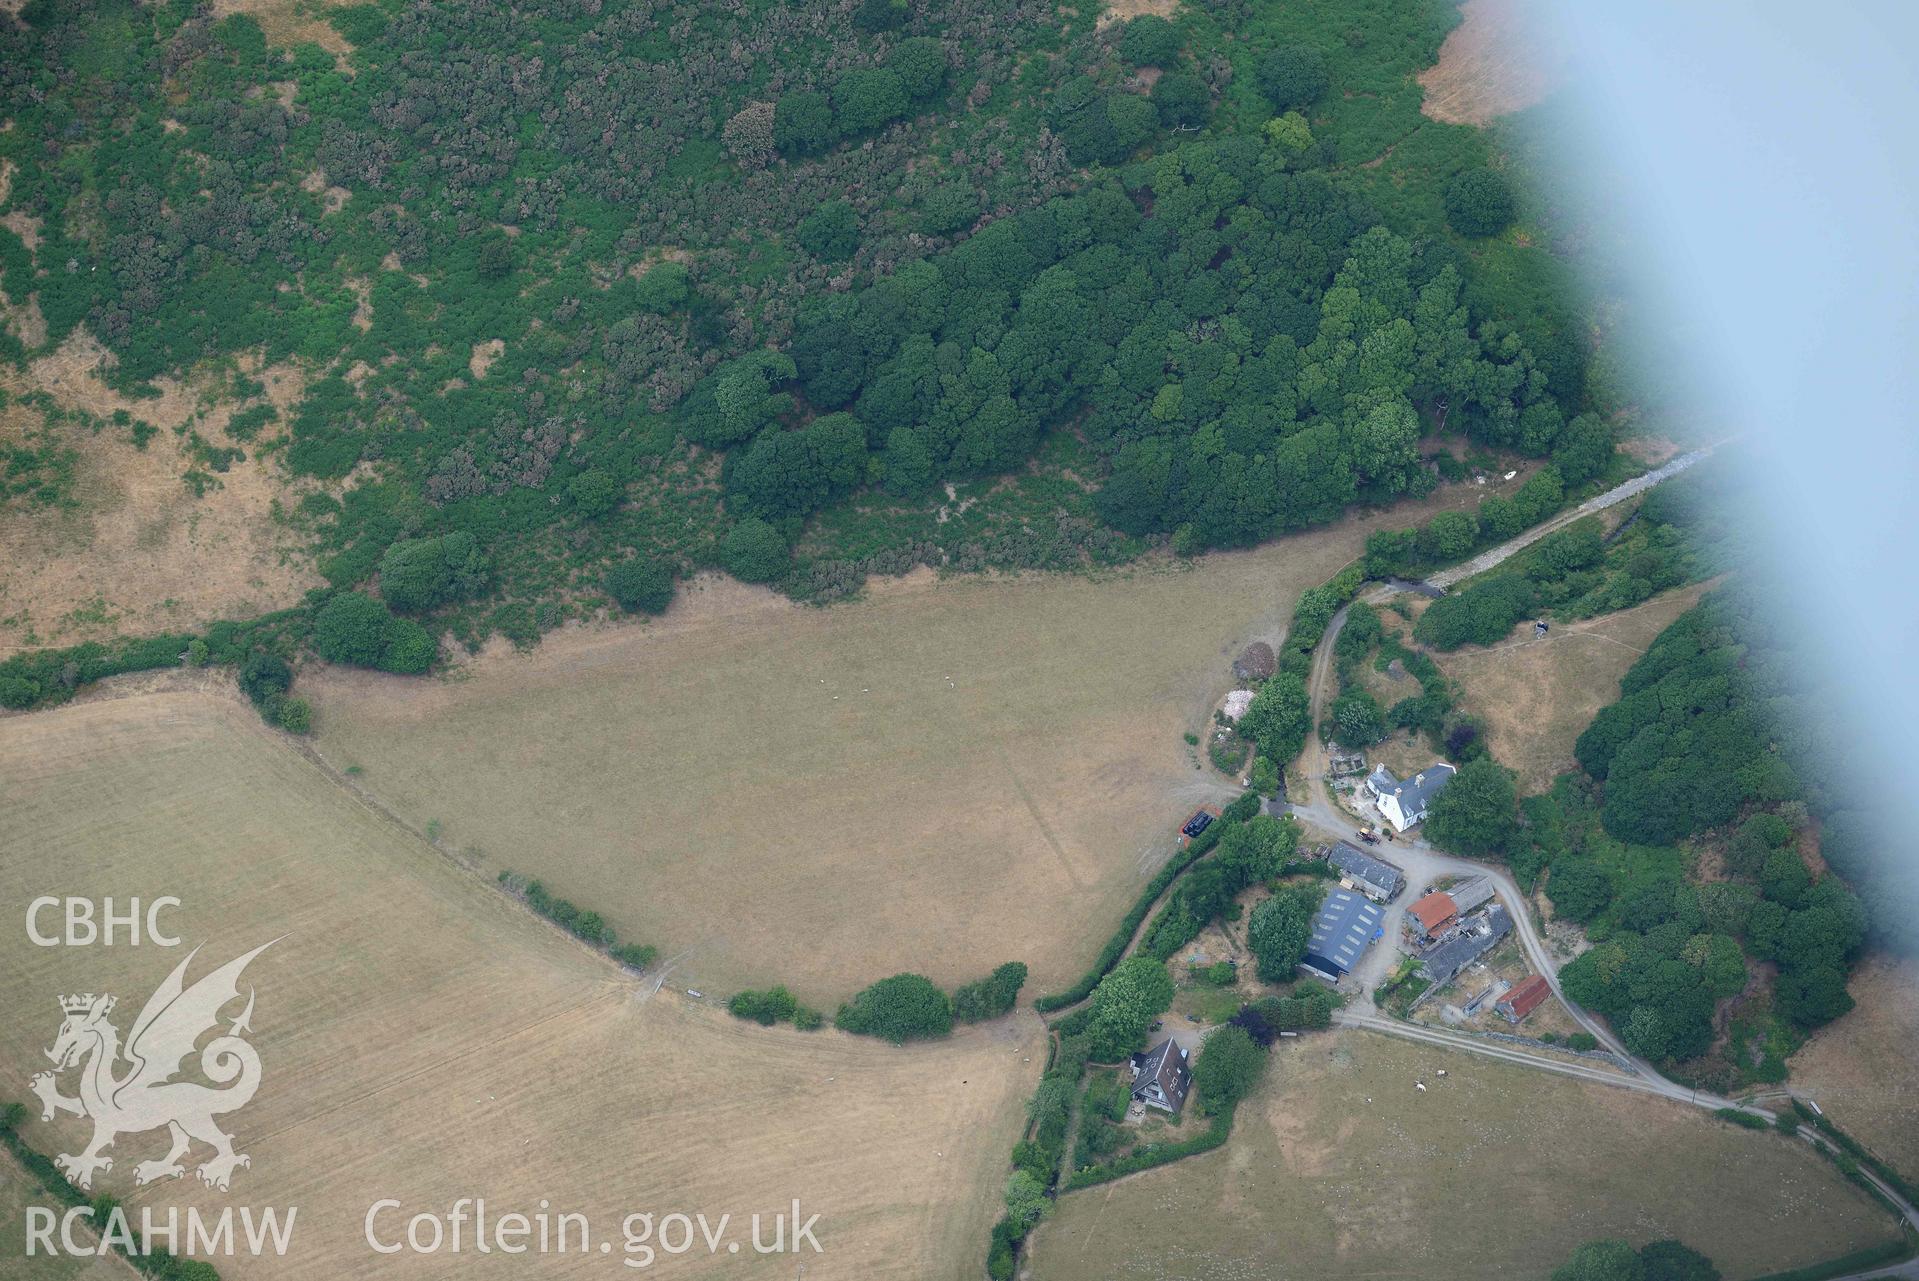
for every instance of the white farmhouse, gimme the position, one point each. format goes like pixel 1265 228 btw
pixel 1404 802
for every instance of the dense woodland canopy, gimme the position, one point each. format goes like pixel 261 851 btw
pixel 850 253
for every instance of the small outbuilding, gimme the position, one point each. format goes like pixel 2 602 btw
pixel 1379 879
pixel 1523 999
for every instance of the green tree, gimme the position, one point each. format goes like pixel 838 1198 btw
pixel 1228 1066
pixel 866 98
pixel 1149 41
pixel 1447 537
pixel 1583 450
pixel 640 585
pixel 920 63
pixel 906 1007
pixel 593 492
pixel 1124 1005
pixel 875 16
pixel 1603 1261
pixel 1280 929
pixel 803 123
pixel 831 233
pixel 296 716
pixel 1279 717
pixel 992 996
pixel 264 675
pixel 754 552
pixel 1671 1260
pixel 418 574
pixel 1182 99
pixel 1476 814
pixel 948 208
pixel 1479 202
pixel 1291 77
pixel 1025 1202
pixel 738 399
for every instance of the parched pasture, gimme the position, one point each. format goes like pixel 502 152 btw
pixel 1337 1166
pixel 1535 697
pixel 949 774
pixel 425 1038
pixel 1859 1068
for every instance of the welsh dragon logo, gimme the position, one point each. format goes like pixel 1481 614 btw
pixel 145 1095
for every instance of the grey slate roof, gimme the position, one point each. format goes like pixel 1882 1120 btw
pixel 1417 792
pixel 1345 925
pixel 1166 1064
pixel 1470 894
pixel 1362 866
pixel 1444 960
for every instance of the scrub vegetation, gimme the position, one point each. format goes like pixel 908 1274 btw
pixel 791 291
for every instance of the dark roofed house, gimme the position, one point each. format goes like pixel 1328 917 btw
pixel 1346 924
pixel 1161 1076
pixel 1443 961
pixel 1524 999
pixel 1380 880
pixel 1256 662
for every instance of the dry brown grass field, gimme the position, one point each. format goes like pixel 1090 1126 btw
pixel 944 776
pixel 138 552
pixel 426 1038
pixel 1859 1068
pixel 1535 697
pixel 1498 60
pixel 1338 1167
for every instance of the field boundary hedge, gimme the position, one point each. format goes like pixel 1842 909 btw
pixel 1115 948
pixel 155 1263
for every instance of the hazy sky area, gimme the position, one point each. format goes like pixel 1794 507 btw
pixel 1761 161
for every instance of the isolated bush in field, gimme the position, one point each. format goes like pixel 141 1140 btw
pixel 766 1008
pixel 754 552
pixel 1479 202
pixel 906 1007
pixel 991 996
pixel 637 955
pixel 640 586
pixel 357 630
pixel 1149 41
pixel 1290 78
pixel 264 675
pixel 295 716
